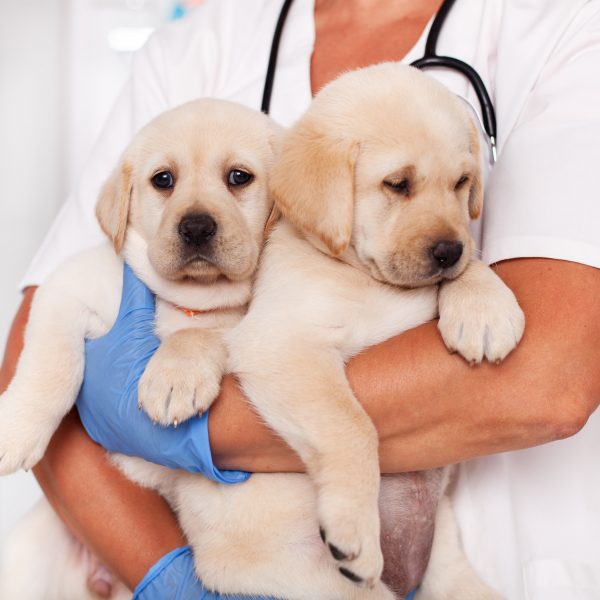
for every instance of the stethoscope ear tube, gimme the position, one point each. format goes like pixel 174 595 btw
pixel 431 59
pixel 265 104
pixel 488 115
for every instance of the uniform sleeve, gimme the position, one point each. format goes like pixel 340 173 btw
pixel 75 228
pixel 543 196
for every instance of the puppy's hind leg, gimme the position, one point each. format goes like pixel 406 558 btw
pixel 303 394
pixel 449 576
pixel 41 560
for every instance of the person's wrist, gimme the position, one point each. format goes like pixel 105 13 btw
pixel 172 574
pixel 240 440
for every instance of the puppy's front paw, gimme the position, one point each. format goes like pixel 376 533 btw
pixel 179 384
pixel 487 321
pixel 22 441
pixel 351 532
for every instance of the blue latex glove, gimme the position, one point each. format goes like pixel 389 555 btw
pixel 108 404
pixel 173 578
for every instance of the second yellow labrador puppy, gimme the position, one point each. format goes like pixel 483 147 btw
pixel 377 184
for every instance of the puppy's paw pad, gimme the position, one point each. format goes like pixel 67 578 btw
pixel 354 543
pixel 483 329
pixel 21 444
pixel 174 389
pixel 504 333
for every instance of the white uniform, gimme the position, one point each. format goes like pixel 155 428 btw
pixel 530 520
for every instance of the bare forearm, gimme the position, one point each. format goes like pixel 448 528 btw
pixel 128 527
pixel 431 408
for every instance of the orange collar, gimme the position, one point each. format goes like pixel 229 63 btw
pixel 190 312
pixel 193 312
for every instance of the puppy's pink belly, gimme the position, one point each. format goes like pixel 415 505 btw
pixel 408 503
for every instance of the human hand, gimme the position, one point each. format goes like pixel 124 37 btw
pixel 173 578
pixel 108 399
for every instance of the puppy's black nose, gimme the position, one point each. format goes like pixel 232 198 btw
pixel 196 230
pixel 446 254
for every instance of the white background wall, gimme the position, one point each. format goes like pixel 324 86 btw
pixel 32 168
pixel 58 79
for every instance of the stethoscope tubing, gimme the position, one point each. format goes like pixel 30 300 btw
pixel 265 104
pixel 432 60
pixel 488 114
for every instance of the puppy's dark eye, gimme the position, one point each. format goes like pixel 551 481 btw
pixel 237 177
pixel 163 180
pixel 461 183
pixel 401 186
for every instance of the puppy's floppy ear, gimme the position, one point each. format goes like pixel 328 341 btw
pixel 313 181
pixel 112 208
pixel 476 191
pixel 475 197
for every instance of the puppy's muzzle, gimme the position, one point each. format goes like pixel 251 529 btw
pixel 196 230
pixel 446 253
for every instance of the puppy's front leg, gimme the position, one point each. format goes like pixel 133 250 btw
pixel 48 376
pixel 303 394
pixel 479 315
pixel 184 376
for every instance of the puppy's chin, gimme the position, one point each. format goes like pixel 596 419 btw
pixel 405 274
pixel 408 271
pixel 196 271
pixel 201 271
pixel 414 278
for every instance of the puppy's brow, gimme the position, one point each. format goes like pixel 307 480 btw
pixel 240 161
pixel 164 163
pixel 402 181
pixel 408 172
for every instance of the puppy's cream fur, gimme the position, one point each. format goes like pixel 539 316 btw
pixel 348 267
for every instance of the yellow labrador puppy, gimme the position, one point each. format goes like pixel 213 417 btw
pixel 377 184
pixel 186 208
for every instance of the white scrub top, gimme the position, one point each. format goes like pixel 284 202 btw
pixel 530 520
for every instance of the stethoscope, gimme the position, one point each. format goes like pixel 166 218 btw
pixel 430 59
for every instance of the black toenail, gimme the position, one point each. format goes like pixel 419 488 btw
pixel 322 534
pixel 350 575
pixel 337 553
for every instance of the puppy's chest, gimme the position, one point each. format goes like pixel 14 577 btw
pixel 171 318
pixel 381 312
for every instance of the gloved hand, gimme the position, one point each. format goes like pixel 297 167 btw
pixel 173 578
pixel 108 404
